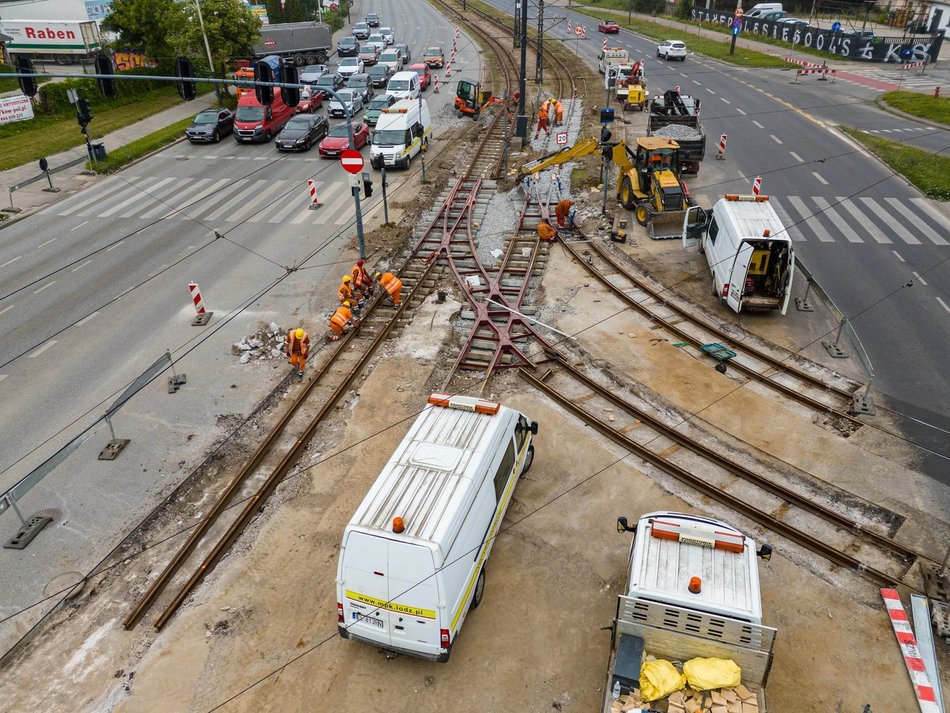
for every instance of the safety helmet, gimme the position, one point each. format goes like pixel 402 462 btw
pixel 360 262
pixel 347 278
pixel 299 334
pixel 346 304
pixel 376 275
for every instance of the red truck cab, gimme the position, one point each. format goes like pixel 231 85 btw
pixel 254 123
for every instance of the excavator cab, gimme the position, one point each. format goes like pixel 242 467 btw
pixel 470 98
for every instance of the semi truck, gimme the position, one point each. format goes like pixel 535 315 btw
pixel 65 42
pixel 304 42
pixel 692 591
pixel 676 116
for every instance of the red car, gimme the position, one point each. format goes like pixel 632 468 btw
pixel 425 76
pixel 310 101
pixel 608 27
pixel 339 139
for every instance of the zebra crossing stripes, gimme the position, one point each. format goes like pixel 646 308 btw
pixel 861 219
pixel 887 218
pixel 924 229
pixel 840 223
pixel 808 217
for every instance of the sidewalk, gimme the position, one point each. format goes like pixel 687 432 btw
pixel 32 197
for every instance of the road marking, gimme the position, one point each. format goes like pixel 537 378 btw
pixel 242 195
pixel 888 219
pixel 943 304
pixel 741 112
pixel 80 267
pixel 697 83
pixel 898 256
pixel 51 240
pixel 921 280
pixel 48 284
pixel 757 124
pixel 143 192
pixel 818 176
pixel 808 217
pixel 113 247
pixel 2 377
pixel 926 207
pixel 10 262
pixel 82 321
pixel 7 309
pixel 776 139
pixel 78 226
pixel 796 157
pixel 710 90
pixel 725 100
pixel 925 229
pixel 261 199
pixel 862 220
pixel 840 223
pixel 43 348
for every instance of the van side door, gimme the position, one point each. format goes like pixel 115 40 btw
pixel 693 224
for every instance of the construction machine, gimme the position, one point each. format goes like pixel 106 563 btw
pixel 631 86
pixel 471 99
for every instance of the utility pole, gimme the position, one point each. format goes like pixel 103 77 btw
pixel 517 32
pixel 522 125
pixel 539 70
pixel 201 23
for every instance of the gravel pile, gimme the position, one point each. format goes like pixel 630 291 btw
pixel 499 222
pixel 266 343
pixel 678 131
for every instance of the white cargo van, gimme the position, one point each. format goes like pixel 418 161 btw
pixel 764 8
pixel 412 561
pixel 404 85
pixel 748 249
pixel 402 131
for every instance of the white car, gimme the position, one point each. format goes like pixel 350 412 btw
pixel 387 33
pixel 672 49
pixel 378 40
pixel 349 66
pixel 345 99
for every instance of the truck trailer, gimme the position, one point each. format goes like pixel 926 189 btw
pixel 304 42
pixel 676 116
pixel 64 42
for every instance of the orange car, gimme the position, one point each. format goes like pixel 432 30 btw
pixel 433 57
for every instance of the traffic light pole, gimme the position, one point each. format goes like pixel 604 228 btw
pixel 360 238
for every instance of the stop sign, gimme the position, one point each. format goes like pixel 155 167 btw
pixel 352 161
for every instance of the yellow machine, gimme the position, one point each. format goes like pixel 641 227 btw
pixel 632 87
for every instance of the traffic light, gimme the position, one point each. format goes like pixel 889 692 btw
pixel 288 75
pixel 83 112
pixel 107 87
pixel 24 65
pixel 186 74
pixel 367 186
pixel 264 73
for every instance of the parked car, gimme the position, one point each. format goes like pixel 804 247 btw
pixel 791 21
pixel 310 100
pixel 348 47
pixel 369 54
pixel 391 58
pixel 372 19
pixel 338 140
pixel 302 132
pixel 349 65
pixel 363 84
pixel 379 74
pixel 406 54
pixel 433 57
pixel 387 33
pixel 345 99
pixel 210 125
pixel 378 40
pixel 311 73
pixel 608 27
pixel 376 106
pixel 773 16
pixel 331 81
pixel 425 76
pixel 671 49
pixel 361 30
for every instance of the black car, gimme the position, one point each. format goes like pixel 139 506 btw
pixel 302 132
pixel 331 81
pixel 361 84
pixel 348 47
pixel 372 20
pixel 210 125
pixel 379 74
pixel 406 54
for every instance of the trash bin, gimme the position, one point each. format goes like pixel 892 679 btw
pixel 99 151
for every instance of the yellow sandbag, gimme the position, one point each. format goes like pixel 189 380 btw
pixel 706 674
pixel 659 679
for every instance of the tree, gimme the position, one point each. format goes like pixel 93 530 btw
pixel 145 24
pixel 683 10
pixel 279 11
pixel 231 27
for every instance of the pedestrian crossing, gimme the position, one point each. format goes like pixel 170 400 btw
pixel 908 79
pixel 213 201
pixel 857 220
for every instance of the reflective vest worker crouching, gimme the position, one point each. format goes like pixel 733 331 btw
pixel 297 348
pixel 340 322
pixel 392 285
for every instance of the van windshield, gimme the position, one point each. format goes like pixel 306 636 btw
pixel 399 85
pixel 389 137
pixel 249 113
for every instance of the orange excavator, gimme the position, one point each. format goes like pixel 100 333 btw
pixel 471 99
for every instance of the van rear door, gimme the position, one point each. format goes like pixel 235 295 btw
pixel 366 587
pixel 787 277
pixel 737 276
pixel 413 589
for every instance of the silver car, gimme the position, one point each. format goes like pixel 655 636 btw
pixel 311 73
pixel 387 33
pixel 345 99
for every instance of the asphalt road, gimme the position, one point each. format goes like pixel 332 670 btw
pixel 93 289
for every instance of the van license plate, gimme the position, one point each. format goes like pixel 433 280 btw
pixel 378 623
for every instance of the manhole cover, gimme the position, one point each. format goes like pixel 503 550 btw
pixel 63 582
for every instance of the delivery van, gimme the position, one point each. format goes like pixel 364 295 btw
pixel 748 249
pixel 764 8
pixel 412 561
pixel 404 85
pixel 402 131
pixel 256 123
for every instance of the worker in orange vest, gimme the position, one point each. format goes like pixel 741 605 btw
pixel 362 281
pixel 346 293
pixel 546 231
pixel 558 111
pixel 340 322
pixel 542 121
pixel 392 285
pixel 296 348
pixel 562 210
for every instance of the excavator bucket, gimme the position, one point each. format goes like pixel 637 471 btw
pixel 667 225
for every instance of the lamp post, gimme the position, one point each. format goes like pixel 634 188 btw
pixel 201 23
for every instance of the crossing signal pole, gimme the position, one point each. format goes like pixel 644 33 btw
pixel 539 68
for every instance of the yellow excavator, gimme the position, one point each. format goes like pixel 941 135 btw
pixel 649 179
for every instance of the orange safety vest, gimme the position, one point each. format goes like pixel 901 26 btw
pixel 546 231
pixel 360 276
pixel 562 209
pixel 543 112
pixel 339 319
pixel 392 284
pixel 298 346
pixel 346 293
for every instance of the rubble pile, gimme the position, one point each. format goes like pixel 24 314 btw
pixel 678 132
pixel 723 700
pixel 266 343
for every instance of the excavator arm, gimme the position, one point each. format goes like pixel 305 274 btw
pixel 578 150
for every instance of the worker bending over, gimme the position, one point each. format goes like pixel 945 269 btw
pixel 362 282
pixel 340 322
pixel 392 285
pixel 296 348
pixel 546 231
pixel 562 212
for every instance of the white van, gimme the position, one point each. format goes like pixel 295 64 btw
pixel 404 85
pixel 764 8
pixel 748 249
pixel 402 131
pixel 412 561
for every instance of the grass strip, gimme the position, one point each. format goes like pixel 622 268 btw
pixel 929 172
pixel 923 105
pixel 124 155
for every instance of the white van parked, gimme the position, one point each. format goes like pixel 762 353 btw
pixel 404 85
pixel 764 8
pixel 748 249
pixel 412 561
pixel 402 131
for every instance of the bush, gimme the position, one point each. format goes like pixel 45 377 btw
pixel 683 9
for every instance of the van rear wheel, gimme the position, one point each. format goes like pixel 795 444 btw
pixel 479 590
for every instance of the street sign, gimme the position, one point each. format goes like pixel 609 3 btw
pixel 560 138
pixel 44 164
pixel 836 27
pixel 736 24
pixel 738 12
pixel 735 31
pixel 352 161
pixel 580 31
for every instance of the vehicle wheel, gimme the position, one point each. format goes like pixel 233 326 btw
pixel 311 58
pixel 215 137
pixel 267 137
pixel 321 58
pixel 643 213
pixel 712 287
pixel 528 460
pixel 479 590
pixel 299 60
pixel 721 368
pixel 626 194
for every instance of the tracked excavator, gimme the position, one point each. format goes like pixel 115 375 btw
pixel 649 182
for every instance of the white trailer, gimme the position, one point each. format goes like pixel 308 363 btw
pixel 64 41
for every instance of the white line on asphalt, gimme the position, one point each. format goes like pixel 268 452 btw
pixel 10 262
pixel 757 124
pixel 818 176
pixel 78 226
pixel 80 267
pixel 710 90
pixel 861 219
pixel 919 279
pixel 698 84
pixel 7 309
pixel 48 284
pixel 776 139
pixel 916 222
pixel 725 100
pixel 840 223
pixel 926 207
pixel 898 256
pixel 2 377
pixel 82 321
pixel 741 112
pixel 51 240
pixel 43 348
pixel 796 157
pixel 113 247
pixel 943 304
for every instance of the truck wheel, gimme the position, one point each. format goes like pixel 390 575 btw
pixel 643 213
pixel 299 60
pixel 321 58
pixel 311 58
pixel 528 460
pixel 626 193
pixel 479 590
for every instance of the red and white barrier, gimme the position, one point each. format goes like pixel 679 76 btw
pixel 458 30
pixel 312 190
pixel 435 87
pixel 721 154
pixel 801 62
pixel 570 29
pixel 605 45
pixel 756 185
pixel 926 698
pixel 448 70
